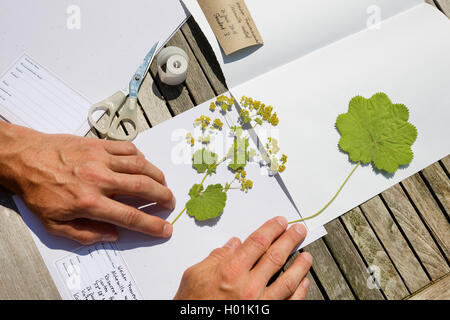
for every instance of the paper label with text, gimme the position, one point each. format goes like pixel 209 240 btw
pixel 97 272
pixel 231 23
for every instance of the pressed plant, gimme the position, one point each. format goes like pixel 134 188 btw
pixel 372 131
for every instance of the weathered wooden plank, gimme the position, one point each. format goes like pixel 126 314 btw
pixel 328 272
pixel 152 102
pixel 446 163
pixel 24 274
pixel 444 5
pixel 439 290
pixel 439 183
pixel 205 55
pixel 350 262
pixel 314 292
pixel 431 2
pixel 396 246
pixel 416 232
pixel 429 211
pixel 374 254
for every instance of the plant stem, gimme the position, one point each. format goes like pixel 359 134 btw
pixel 179 215
pixel 201 183
pixel 332 199
pixel 229 119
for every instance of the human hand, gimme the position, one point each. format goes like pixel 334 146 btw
pixel 242 271
pixel 70 183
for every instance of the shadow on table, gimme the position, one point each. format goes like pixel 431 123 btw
pixel 127 239
pixel 7 201
pixel 206 50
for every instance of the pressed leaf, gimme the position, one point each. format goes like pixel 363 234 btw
pixel 208 204
pixel 376 130
pixel 203 160
pixel 239 154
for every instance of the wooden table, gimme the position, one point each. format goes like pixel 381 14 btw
pixel 401 235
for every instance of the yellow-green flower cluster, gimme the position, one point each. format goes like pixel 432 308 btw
pixel 283 161
pixel 245 114
pixel 273 120
pixel 246 184
pixel 272 146
pixel 190 139
pixel 224 102
pixel 218 124
pixel 251 104
pixel 204 121
pixel 225 99
pixel 263 112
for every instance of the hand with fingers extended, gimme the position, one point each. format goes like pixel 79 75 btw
pixel 70 183
pixel 243 270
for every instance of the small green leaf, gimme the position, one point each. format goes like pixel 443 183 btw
pixel 239 154
pixel 205 139
pixel 208 204
pixel 376 130
pixel 195 190
pixel 203 160
pixel 227 187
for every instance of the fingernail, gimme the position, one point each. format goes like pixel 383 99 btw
pixel 167 230
pixel 231 243
pixel 173 202
pixel 306 283
pixel 282 221
pixel 308 257
pixel 109 238
pixel 300 229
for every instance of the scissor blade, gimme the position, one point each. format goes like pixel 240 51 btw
pixel 139 76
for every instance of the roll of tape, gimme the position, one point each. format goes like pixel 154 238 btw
pixel 176 63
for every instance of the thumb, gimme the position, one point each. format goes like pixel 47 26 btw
pixel 84 231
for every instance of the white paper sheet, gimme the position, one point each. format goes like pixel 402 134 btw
pixel 31 96
pixel 157 265
pixel 294 28
pixel 408 58
pixel 96 60
pixel 53 107
pixel 97 272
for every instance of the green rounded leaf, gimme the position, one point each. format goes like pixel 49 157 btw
pixel 208 204
pixel 203 160
pixel 239 154
pixel 376 130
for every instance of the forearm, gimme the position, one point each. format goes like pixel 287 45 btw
pixel 69 182
pixel 13 140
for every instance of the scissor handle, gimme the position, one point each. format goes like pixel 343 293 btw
pixel 110 106
pixel 128 114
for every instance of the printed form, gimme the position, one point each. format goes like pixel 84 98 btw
pixel 33 97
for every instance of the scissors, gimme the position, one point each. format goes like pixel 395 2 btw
pixel 126 101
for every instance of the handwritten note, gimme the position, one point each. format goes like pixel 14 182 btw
pixel 231 23
pixel 97 272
